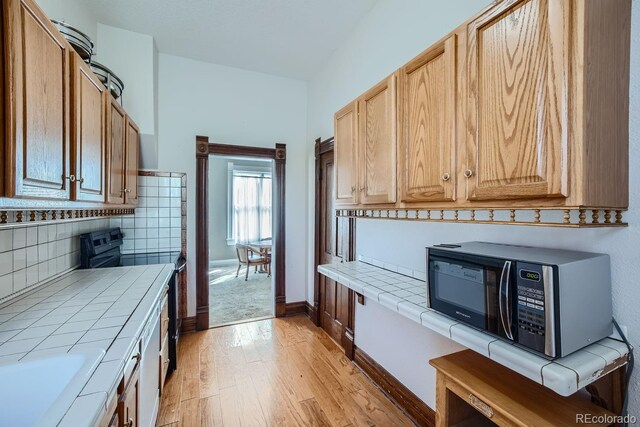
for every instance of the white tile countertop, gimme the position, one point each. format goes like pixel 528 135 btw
pixel 103 309
pixel 408 296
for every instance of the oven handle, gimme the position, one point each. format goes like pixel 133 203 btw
pixel 506 270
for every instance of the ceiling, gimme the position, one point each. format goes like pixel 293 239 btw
pixel 289 38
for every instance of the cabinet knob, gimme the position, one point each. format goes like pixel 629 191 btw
pixel 71 178
pixel 353 190
pixel 446 176
pixel 468 173
pixel 126 190
pixel 129 423
pixel 362 188
pixel 136 356
pixel 81 180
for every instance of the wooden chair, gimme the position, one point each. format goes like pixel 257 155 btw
pixel 246 257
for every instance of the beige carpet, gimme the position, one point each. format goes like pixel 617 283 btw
pixel 232 300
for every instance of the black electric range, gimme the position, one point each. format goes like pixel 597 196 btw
pixel 101 249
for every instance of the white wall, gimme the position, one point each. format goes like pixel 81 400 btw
pixel 234 106
pixel 387 37
pixel 131 57
pixel 73 12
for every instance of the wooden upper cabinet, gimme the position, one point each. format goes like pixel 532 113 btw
pixel 518 89
pixel 427 120
pixel 89 133
pixel 346 155
pixel 116 146
pixel 377 143
pixel 132 159
pixel 36 71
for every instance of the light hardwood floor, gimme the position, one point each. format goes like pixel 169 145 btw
pixel 275 372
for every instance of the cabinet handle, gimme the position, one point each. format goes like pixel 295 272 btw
pixel 446 176
pixel 129 423
pixel 136 356
pixel 81 180
pixel 468 173
pixel 71 178
pixel 362 188
pixel 126 190
pixel 353 190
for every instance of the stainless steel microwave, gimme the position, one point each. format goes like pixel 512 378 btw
pixel 549 301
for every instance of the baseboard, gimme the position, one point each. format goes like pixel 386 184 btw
pixel 404 398
pixel 299 307
pixel 188 325
pixel 223 262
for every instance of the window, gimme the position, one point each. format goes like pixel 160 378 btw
pixel 249 205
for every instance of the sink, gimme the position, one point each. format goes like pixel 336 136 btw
pixel 39 391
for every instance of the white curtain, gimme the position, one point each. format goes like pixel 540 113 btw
pixel 251 207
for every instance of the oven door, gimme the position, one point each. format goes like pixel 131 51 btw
pixel 475 290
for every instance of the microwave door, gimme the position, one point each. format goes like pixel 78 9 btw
pixel 505 295
pixel 467 290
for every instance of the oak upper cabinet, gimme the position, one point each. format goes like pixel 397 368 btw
pixel 547 107
pixel 346 155
pixel 377 143
pixel 88 133
pixel 132 159
pixel 116 146
pixel 518 73
pixel 427 121
pixel 37 113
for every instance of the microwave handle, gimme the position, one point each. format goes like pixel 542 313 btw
pixel 506 272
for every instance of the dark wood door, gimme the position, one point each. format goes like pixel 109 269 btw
pixel 336 300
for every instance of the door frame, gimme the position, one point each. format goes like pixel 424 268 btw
pixel 323 147
pixel 203 150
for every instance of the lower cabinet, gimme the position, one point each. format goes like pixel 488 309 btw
pixel 127 412
pixel 144 374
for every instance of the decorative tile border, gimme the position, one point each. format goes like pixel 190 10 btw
pixel 22 218
pixel 546 217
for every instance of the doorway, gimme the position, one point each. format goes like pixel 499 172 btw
pixel 270 249
pixel 240 239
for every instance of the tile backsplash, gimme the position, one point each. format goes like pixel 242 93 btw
pixel 35 253
pixel 157 224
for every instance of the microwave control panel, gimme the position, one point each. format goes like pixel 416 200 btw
pixel 530 307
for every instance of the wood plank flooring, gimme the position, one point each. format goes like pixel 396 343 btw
pixel 276 372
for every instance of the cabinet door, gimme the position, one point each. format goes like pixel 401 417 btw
pixel 116 131
pixel 132 155
pixel 377 143
pixel 346 155
pixel 37 113
pixel 427 125
pixel 89 133
pixel 128 405
pixel 518 109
